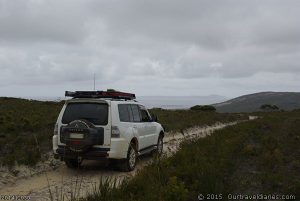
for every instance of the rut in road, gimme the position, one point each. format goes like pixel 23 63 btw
pixel 83 180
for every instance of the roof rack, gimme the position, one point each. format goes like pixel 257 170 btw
pixel 100 94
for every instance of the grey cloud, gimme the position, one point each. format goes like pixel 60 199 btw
pixel 246 37
pixel 189 42
pixel 33 21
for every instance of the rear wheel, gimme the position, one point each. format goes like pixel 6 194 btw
pixel 130 162
pixel 73 163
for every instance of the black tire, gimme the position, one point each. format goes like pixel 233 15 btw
pixel 72 163
pixel 129 163
pixel 160 146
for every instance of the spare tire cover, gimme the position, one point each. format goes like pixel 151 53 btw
pixel 77 135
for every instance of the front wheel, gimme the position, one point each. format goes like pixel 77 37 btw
pixel 130 162
pixel 160 145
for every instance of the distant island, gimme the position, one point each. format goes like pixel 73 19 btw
pixel 253 102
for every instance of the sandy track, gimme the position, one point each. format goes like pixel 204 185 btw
pixel 85 179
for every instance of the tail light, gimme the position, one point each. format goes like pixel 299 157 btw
pixel 115 132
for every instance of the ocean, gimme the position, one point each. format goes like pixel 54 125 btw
pixel 165 102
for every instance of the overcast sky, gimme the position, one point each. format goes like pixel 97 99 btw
pixel 150 47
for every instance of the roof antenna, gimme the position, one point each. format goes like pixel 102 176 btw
pixel 94 81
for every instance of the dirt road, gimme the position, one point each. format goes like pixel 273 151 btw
pixel 85 179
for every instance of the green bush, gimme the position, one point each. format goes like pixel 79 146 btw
pixel 175 190
pixel 269 107
pixel 260 156
pixel 178 120
pixel 26 129
pixel 203 108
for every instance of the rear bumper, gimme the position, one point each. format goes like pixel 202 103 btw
pixel 93 154
pixel 118 150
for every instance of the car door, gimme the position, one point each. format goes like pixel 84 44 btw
pixel 153 130
pixel 149 127
pixel 138 126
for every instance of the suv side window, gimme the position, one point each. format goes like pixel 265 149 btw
pixel 135 113
pixel 145 115
pixel 124 113
pixel 130 113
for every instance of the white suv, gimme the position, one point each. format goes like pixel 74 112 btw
pixel 98 125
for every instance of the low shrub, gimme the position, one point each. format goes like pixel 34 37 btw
pixel 203 108
pixel 256 157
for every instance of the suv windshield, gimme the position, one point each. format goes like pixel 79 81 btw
pixel 94 112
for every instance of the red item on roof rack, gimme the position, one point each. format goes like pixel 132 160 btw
pixel 100 94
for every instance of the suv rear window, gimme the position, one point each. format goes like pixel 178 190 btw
pixel 94 112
